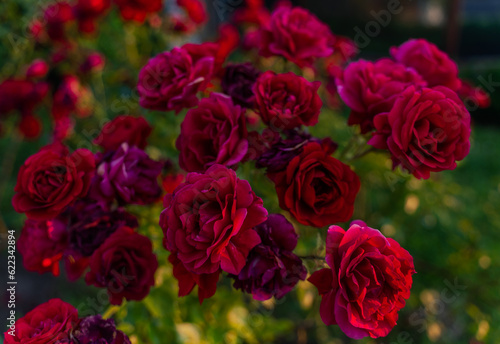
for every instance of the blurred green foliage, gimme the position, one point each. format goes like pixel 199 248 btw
pixel 450 223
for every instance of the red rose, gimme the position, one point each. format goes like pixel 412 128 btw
pixel 433 64
pixel 137 10
pixel 124 264
pixel 50 322
pixel 51 180
pixel 296 34
pixel 87 12
pixel 426 131
pixel 287 101
pixel 42 245
pixel 129 129
pixel 171 80
pixel 208 221
pixel 370 88
pixel 213 133
pixel 367 282
pixel 207 283
pixel 316 188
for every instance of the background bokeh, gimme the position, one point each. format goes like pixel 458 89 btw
pixel 450 223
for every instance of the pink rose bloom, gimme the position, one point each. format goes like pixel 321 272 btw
pixel 213 133
pixel 434 65
pixel 367 282
pixel 171 80
pixel 296 34
pixel 208 221
pixel 427 130
pixel 369 88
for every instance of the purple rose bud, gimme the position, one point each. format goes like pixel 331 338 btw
pixel 127 175
pixel 238 82
pixel 272 269
pixel 91 225
pixel 96 330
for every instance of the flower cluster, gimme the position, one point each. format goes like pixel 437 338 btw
pixel 75 208
pixel 56 321
pixel 260 115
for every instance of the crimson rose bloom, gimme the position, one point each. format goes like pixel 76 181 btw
pixel 170 80
pixel 50 322
pixel 286 101
pixel 367 282
pixel 433 64
pixel 370 88
pixel 51 180
pixel 315 188
pixel 128 175
pixel 296 34
pixel 42 244
pixel 207 283
pixel 129 129
pixel 88 11
pixel 137 10
pixel 208 221
pixel 37 69
pixel 272 269
pixel 125 264
pixel 426 131
pixel 213 133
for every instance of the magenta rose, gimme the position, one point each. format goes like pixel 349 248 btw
pixel 129 129
pixel 124 264
pixel 213 133
pixel 208 221
pixel 427 130
pixel 50 322
pixel 42 245
pixel 367 282
pixel 137 10
pixel 171 80
pixel 369 88
pixel 287 101
pixel 52 179
pixel 434 65
pixel 296 34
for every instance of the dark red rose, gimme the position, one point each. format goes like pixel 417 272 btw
pixel 49 322
pixel 367 282
pixel 42 245
pixel 127 175
pixel 96 330
pixel 51 180
pixel 287 101
pixel 316 188
pixel 296 34
pixel 238 81
pixel 272 269
pixel 129 129
pixel 254 13
pixel 433 64
pixel 87 12
pixel 125 264
pixel 71 97
pixel 137 10
pixel 427 130
pixel 370 88
pixel 55 18
pixel 207 283
pixel 171 80
pixel 21 95
pixel 208 221
pixel 213 133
